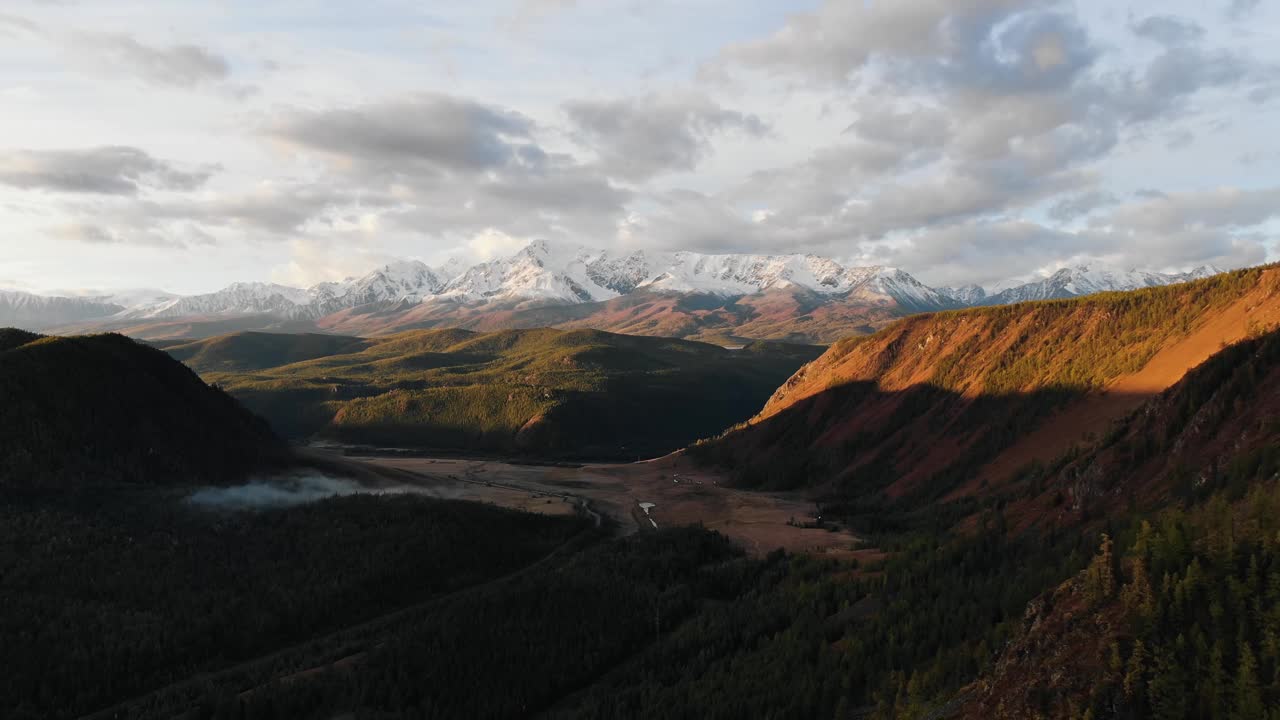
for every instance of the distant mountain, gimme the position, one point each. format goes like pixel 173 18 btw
pixel 404 280
pixel 127 298
pixel 1080 280
pixel 238 299
pixel 802 298
pixel 965 295
pixel 540 272
pixel 20 309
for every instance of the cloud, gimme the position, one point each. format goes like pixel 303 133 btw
pixel 427 134
pixel 528 12
pixel 1224 208
pixel 184 66
pixel 456 167
pixel 1000 43
pixel 1169 231
pixel 1239 9
pixel 915 126
pixel 1076 206
pixel 427 166
pixel 641 137
pixel 15 25
pixel 969 137
pixel 969 113
pixel 1169 30
pixel 86 233
pixel 110 170
pixel 986 252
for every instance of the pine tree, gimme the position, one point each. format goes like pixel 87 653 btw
pixel 1134 681
pixel 1100 577
pixel 1136 596
pixel 1167 689
pixel 1248 704
pixel 1214 684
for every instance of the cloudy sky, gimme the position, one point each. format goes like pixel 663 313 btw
pixel 187 145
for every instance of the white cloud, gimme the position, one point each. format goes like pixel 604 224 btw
pixel 956 138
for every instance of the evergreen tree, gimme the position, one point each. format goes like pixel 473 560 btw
pixel 1167 689
pixel 1134 677
pixel 1248 705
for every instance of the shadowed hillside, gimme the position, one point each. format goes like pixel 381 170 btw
pixel 256 351
pixel 98 409
pixel 1179 617
pixel 577 393
pixel 956 401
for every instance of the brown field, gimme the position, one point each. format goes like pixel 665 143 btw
pixel 681 495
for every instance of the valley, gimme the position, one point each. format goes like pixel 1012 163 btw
pixel 572 523
pixel 545 393
pixel 676 491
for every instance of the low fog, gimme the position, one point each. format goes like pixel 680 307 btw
pixel 290 490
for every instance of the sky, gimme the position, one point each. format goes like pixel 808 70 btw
pixel 186 145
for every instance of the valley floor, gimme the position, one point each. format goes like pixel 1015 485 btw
pixel 679 494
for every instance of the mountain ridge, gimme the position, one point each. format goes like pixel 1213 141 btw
pixel 947 404
pixel 736 295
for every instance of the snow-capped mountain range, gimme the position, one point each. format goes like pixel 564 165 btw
pixel 546 275
pixel 1075 281
pixel 542 274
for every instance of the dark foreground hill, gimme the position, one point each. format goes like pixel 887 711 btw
pixel 581 393
pixel 103 409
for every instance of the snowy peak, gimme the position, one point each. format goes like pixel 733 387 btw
pixel 733 275
pixel 965 294
pixel 543 273
pixel 401 280
pixel 250 298
pixel 1087 279
pixel 907 291
pixel 729 275
pixel 621 275
pixel 25 310
pixel 536 273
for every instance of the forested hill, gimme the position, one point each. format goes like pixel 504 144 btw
pixel 1178 615
pixel 580 393
pixel 938 406
pixel 78 411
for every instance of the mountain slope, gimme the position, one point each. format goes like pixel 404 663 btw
pixel 801 298
pixel 788 314
pixel 18 309
pixel 1082 280
pixel 246 298
pixel 1206 455
pixel 256 351
pixel 89 410
pixel 543 392
pixel 930 405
